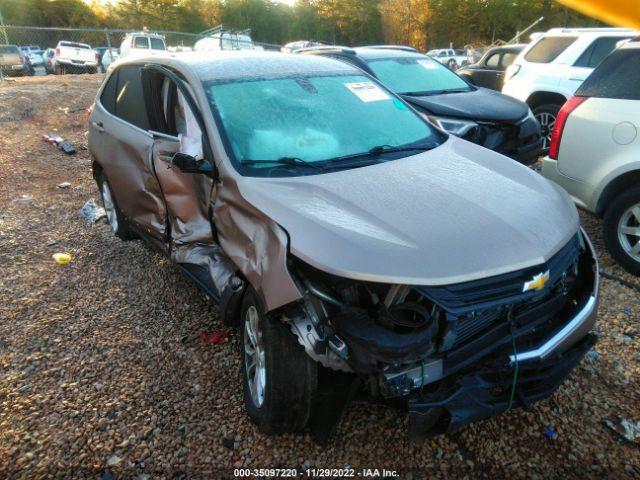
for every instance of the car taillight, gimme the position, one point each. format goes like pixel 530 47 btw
pixel 561 120
pixel 97 57
pixel 21 58
pixel 90 110
pixel 57 52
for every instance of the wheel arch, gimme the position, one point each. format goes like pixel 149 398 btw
pixel 616 187
pixel 543 97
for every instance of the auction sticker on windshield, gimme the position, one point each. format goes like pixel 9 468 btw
pixel 367 91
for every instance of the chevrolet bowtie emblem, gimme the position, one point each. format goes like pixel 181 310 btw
pixel 537 283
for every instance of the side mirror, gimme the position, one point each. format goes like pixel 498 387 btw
pixel 188 164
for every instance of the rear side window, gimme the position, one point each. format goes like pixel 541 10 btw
pixel 141 42
pixel 616 77
pixel 597 52
pixel 108 97
pixel 157 44
pixel 129 97
pixel 548 49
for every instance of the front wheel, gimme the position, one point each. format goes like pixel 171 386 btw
pixel 621 230
pixel 546 115
pixel 279 378
pixel 452 64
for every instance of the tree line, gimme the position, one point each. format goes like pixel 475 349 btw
pixel 423 24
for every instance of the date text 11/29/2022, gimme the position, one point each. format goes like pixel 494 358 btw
pixel 346 472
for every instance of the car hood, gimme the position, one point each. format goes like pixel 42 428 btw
pixel 479 104
pixel 453 214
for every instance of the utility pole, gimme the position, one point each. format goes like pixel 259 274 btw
pixel 4 30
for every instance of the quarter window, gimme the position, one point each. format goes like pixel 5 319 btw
pixel 108 96
pixel 597 51
pixel 130 105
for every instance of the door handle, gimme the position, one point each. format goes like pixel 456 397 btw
pixel 98 126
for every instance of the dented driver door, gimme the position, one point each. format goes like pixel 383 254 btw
pixel 178 127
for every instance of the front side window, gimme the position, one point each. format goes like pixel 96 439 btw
pixel 493 60
pixel 508 58
pixel 311 123
pixel 141 42
pixel 416 75
pixel 616 77
pixel 548 49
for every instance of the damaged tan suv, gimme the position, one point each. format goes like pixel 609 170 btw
pixel 360 250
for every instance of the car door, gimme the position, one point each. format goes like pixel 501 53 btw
pixel 120 139
pixel 488 75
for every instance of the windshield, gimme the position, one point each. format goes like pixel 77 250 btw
pixel 417 75
pixel 278 127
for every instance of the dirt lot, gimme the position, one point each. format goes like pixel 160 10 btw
pixel 103 371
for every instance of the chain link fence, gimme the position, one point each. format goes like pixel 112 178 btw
pixel 37 47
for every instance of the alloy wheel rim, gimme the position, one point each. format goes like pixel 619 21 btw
pixel 547 121
pixel 629 231
pixel 254 356
pixel 109 207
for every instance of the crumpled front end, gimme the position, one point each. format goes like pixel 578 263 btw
pixel 458 353
pixel 521 141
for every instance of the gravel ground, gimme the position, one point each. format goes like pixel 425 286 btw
pixel 103 372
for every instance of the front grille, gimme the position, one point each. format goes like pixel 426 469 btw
pixel 473 308
pixel 503 289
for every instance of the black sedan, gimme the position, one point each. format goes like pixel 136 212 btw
pixel 489 71
pixel 488 118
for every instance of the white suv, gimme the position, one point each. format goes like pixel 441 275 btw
pixel 550 69
pixel 595 151
pixel 142 44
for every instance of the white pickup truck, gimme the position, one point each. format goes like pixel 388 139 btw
pixel 450 57
pixel 75 57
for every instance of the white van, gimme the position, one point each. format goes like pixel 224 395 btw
pixel 142 43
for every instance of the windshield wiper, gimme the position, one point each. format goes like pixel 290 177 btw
pixel 291 161
pixel 427 93
pixel 374 152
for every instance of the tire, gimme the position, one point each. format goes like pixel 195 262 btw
pixel 58 70
pixel 452 65
pixel 546 115
pixel 289 376
pixel 117 221
pixel 621 230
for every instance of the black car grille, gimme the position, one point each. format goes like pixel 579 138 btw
pixel 503 289
pixel 472 308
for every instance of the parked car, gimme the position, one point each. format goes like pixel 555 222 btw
pixel 347 233
pixel 477 114
pixel 34 56
pixel 109 57
pixel 12 61
pixel 49 61
pixel 73 57
pixel 142 44
pixel 595 151
pixel 488 72
pixel 449 57
pixel 550 69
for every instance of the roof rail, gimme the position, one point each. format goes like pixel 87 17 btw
pixel 222 29
pixel 327 48
pixel 404 48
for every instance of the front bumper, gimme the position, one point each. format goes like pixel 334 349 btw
pixel 487 392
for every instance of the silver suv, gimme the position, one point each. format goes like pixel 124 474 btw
pixel 358 248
